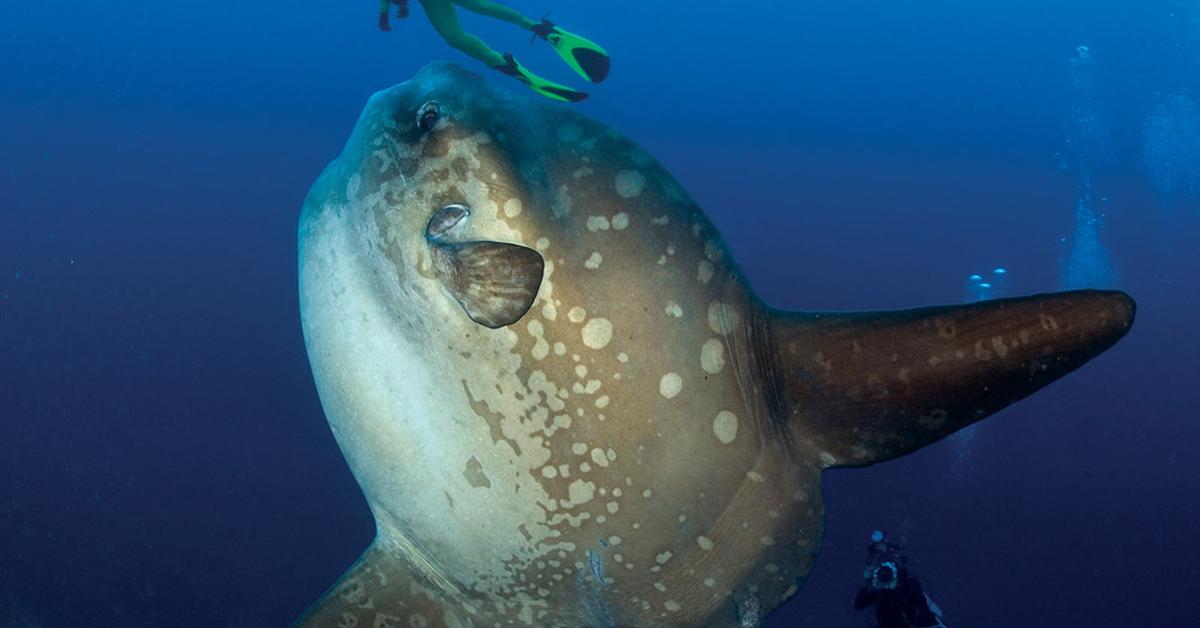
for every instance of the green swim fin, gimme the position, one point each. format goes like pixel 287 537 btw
pixel 549 89
pixel 583 55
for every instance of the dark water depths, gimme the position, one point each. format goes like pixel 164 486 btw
pixel 163 455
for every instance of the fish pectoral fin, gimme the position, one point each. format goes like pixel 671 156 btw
pixel 868 387
pixel 494 282
pixel 380 589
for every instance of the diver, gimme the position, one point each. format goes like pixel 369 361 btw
pixel 588 59
pixel 897 595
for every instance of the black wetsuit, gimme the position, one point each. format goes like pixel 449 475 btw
pixel 902 607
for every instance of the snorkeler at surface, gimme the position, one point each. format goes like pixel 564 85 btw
pixel 897 595
pixel 584 56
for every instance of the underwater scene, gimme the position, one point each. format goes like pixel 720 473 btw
pixel 450 313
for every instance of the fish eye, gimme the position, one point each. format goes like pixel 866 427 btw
pixel 428 116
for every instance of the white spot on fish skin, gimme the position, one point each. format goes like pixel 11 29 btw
pixel 670 385
pixel 713 251
pixel 597 333
pixel 579 449
pixel 712 356
pixel 512 207
pixel 660 221
pixel 612 507
pixel 549 312
pixel 560 348
pixel 602 401
pixel 710 583
pixel 620 221
pixel 599 458
pixel 576 314
pixel 549 472
pixel 541 348
pixel 581 492
pixel 542 244
pixel 705 543
pixel 593 261
pixel 704 272
pixel 755 476
pixel 647 493
pixel 722 318
pixel 630 183
pixel 725 426
pixel 622 357
pixel 663 557
pixel 597 223
pixel 673 309
pixel 671 605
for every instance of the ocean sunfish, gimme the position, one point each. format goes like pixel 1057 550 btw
pixel 562 401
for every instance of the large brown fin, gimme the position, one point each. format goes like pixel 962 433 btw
pixel 867 387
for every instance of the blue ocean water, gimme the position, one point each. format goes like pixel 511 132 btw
pixel 164 460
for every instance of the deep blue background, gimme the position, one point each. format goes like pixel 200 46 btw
pixel 163 455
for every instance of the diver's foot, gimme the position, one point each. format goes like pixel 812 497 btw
pixel 544 29
pixel 549 89
pixel 583 55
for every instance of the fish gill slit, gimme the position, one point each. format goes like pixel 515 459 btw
pixel 774 410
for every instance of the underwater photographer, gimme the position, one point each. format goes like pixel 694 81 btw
pixel 897 595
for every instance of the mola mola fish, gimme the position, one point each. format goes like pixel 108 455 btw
pixel 563 402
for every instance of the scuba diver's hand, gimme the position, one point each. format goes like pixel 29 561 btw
pixel 383 22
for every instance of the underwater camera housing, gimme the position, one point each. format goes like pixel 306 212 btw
pixel 884 561
pixel 884 575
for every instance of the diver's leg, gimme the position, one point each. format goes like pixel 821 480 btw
pixel 442 15
pixel 498 11
pixel 584 56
